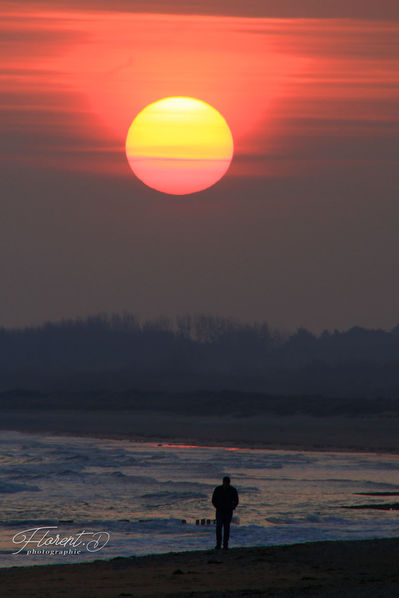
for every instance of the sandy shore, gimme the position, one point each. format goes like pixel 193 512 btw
pixel 291 432
pixel 358 569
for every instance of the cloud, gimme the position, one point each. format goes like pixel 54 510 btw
pixel 316 9
pixel 297 88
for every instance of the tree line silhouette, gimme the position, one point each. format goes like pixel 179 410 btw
pixel 116 352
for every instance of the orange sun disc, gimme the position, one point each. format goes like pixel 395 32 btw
pixel 179 146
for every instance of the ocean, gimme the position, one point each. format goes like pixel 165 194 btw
pixel 72 499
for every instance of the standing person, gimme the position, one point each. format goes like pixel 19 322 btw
pixel 225 500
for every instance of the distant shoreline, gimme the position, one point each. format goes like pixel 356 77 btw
pixel 360 569
pixel 264 431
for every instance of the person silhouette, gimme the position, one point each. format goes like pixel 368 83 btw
pixel 225 500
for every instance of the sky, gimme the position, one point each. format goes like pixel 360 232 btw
pixel 301 231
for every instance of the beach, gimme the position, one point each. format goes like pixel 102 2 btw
pixel 325 569
pixel 350 569
pixel 373 433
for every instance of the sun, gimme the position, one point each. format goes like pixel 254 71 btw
pixel 179 145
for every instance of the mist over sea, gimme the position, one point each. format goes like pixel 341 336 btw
pixel 148 496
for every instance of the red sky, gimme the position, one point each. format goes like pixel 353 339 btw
pixel 302 231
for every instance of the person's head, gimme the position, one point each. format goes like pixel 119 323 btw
pixel 226 481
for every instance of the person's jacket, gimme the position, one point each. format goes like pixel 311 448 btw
pixel 225 498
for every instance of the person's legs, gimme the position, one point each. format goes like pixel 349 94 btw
pixel 219 524
pixel 226 528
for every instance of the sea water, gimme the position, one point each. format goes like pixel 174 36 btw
pixel 134 498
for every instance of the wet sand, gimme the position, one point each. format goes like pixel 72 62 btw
pixel 358 569
pixel 294 432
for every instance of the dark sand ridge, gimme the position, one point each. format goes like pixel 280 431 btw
pixel 372 433
pixel 351 569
